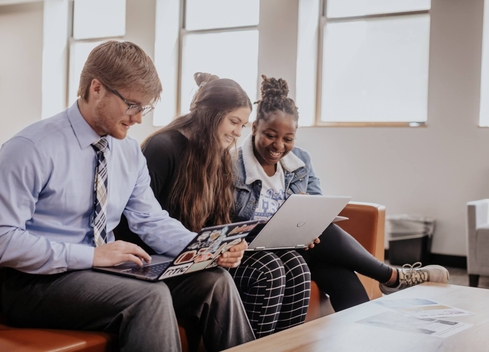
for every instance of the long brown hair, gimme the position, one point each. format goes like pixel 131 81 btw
pixel 203 193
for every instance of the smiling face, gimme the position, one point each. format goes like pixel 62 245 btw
pixel 231 126
pixel 273 139
pixel 105 112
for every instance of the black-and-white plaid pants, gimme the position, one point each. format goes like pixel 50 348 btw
pixel 275 289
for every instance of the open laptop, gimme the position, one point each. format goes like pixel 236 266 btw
pixel 298 221
pixel 201 253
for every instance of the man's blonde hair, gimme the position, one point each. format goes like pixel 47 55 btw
pixel 121 65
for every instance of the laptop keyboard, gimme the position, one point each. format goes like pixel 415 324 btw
pixel 149 270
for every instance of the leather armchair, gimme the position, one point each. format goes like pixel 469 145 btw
pixel 477 240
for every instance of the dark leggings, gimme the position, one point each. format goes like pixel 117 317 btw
pixel 333 264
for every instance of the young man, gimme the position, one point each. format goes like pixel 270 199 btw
pixel 65 183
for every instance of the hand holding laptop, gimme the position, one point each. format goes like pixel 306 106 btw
pixel 232 258
pixel 313 244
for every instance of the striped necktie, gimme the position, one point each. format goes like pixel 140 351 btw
pixel 100 193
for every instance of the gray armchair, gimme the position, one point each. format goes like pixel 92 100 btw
pixel 477 240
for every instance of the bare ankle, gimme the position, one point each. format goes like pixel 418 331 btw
pixel 393 279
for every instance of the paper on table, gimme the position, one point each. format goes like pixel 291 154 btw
pixel 401 322
pixel 423 308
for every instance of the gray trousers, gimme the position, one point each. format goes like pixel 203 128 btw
pixel 143 314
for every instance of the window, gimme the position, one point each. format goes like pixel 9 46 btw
pixel 110 19
pixel 214 36
pixel 373 62
pixel 56 34
pixel 484 93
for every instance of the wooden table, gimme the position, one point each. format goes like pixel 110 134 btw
pixel 342 332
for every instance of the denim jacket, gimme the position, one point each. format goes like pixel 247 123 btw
pixel 298 171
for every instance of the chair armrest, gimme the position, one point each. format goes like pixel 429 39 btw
pixel 477 214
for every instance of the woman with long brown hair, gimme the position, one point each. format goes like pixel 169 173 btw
pixel 192 177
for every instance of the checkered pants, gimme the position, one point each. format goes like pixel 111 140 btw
pixel 275 289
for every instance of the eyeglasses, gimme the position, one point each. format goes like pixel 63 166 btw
pixel 132 108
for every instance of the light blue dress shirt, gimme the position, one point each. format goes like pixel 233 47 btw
pixel 46 197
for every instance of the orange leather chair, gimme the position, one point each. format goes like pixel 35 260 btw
pixel 366 224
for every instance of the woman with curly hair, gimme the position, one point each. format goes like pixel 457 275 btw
pixel 270 168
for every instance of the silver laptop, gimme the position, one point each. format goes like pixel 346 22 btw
pixel 299 220
pixel 201 253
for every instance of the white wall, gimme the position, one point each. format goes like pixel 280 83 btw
pixel 432 171
pixel 20 66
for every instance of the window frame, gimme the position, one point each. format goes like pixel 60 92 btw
pixel 181 37
pixel 72 41
pixel 185 32
pixel 483 118
pixel 170 33
pixel 322 23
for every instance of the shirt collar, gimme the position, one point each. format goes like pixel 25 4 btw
pixel 84 133
pixel 290 162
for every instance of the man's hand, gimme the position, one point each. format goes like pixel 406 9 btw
pixel 313 243
pixel 232 258
pixel 118 252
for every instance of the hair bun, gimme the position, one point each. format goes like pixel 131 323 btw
pixel 201 78
pixel 272 87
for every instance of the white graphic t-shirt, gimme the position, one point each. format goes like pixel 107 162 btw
pixel 272 193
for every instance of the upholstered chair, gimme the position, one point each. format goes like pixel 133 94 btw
pixel 477 240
